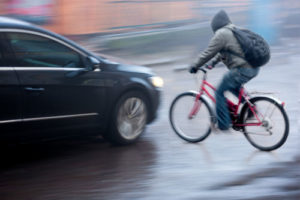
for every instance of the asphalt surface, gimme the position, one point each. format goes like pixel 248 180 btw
pixel 161 165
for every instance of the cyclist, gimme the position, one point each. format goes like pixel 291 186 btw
pixel 219 49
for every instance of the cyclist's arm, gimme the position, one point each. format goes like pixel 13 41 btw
pixel 214 47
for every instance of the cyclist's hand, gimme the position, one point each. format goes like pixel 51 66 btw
pixel 193 69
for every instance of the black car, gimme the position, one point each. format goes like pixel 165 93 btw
pixel 50 86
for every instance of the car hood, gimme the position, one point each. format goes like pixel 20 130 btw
pixel 114 59
pixel 118 64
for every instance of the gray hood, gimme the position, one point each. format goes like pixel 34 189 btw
pixel 220 20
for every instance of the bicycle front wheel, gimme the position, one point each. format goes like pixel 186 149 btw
pixel 274 129
pixel 190 128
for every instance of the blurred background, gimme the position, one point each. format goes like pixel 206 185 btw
pixel 165 35
pixel 122 26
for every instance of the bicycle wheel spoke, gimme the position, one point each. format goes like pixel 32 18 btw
pixel 272 110
pixel 193 128
pixel 273 131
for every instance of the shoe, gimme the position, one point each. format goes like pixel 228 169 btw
pixel 215 128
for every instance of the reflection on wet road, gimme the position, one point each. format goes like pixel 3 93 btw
pixel 81 168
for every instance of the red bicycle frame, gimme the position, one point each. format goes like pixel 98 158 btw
pixel 231 106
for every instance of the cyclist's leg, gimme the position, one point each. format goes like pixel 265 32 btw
pixel 222 111
pixel 232 81
pixel 244 75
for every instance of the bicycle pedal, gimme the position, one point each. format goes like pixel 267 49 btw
pixel 237 128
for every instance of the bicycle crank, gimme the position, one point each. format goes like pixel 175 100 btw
pixel 268 125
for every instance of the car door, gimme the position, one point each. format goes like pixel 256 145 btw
pixel 58 90
pixel 10 93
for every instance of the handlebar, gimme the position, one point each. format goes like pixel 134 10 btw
pixel 203 70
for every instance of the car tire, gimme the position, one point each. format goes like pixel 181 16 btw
pixel 129 118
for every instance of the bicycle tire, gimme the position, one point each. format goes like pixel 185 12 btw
pixel 191 130
pixel 280 122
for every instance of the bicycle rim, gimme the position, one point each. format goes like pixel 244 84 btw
pixel 275 126
pixel 193 129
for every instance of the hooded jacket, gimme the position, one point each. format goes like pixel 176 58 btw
pixel 222 43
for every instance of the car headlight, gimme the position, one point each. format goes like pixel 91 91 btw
pixel 157 81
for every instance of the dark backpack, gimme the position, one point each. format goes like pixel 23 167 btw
pixel 255 48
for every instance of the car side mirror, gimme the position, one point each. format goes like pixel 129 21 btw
pixel 94 63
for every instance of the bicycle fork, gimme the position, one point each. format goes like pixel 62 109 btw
pixel 196 106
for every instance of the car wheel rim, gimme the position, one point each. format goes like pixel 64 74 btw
pixel 132 118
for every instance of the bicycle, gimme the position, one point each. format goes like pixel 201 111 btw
pixel 261 118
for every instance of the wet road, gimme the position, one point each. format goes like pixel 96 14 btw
pixel 225 164
pixel 162 166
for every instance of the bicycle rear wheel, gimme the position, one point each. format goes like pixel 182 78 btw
pixel 274 130
pixel 191 129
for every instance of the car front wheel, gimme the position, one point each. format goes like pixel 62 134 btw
pixel 129 118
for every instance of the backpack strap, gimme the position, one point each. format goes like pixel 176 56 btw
pixel 230 51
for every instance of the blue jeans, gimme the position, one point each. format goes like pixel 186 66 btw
pixel 232 81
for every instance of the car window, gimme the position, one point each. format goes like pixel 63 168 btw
pixel 37 51
pixel 2 47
